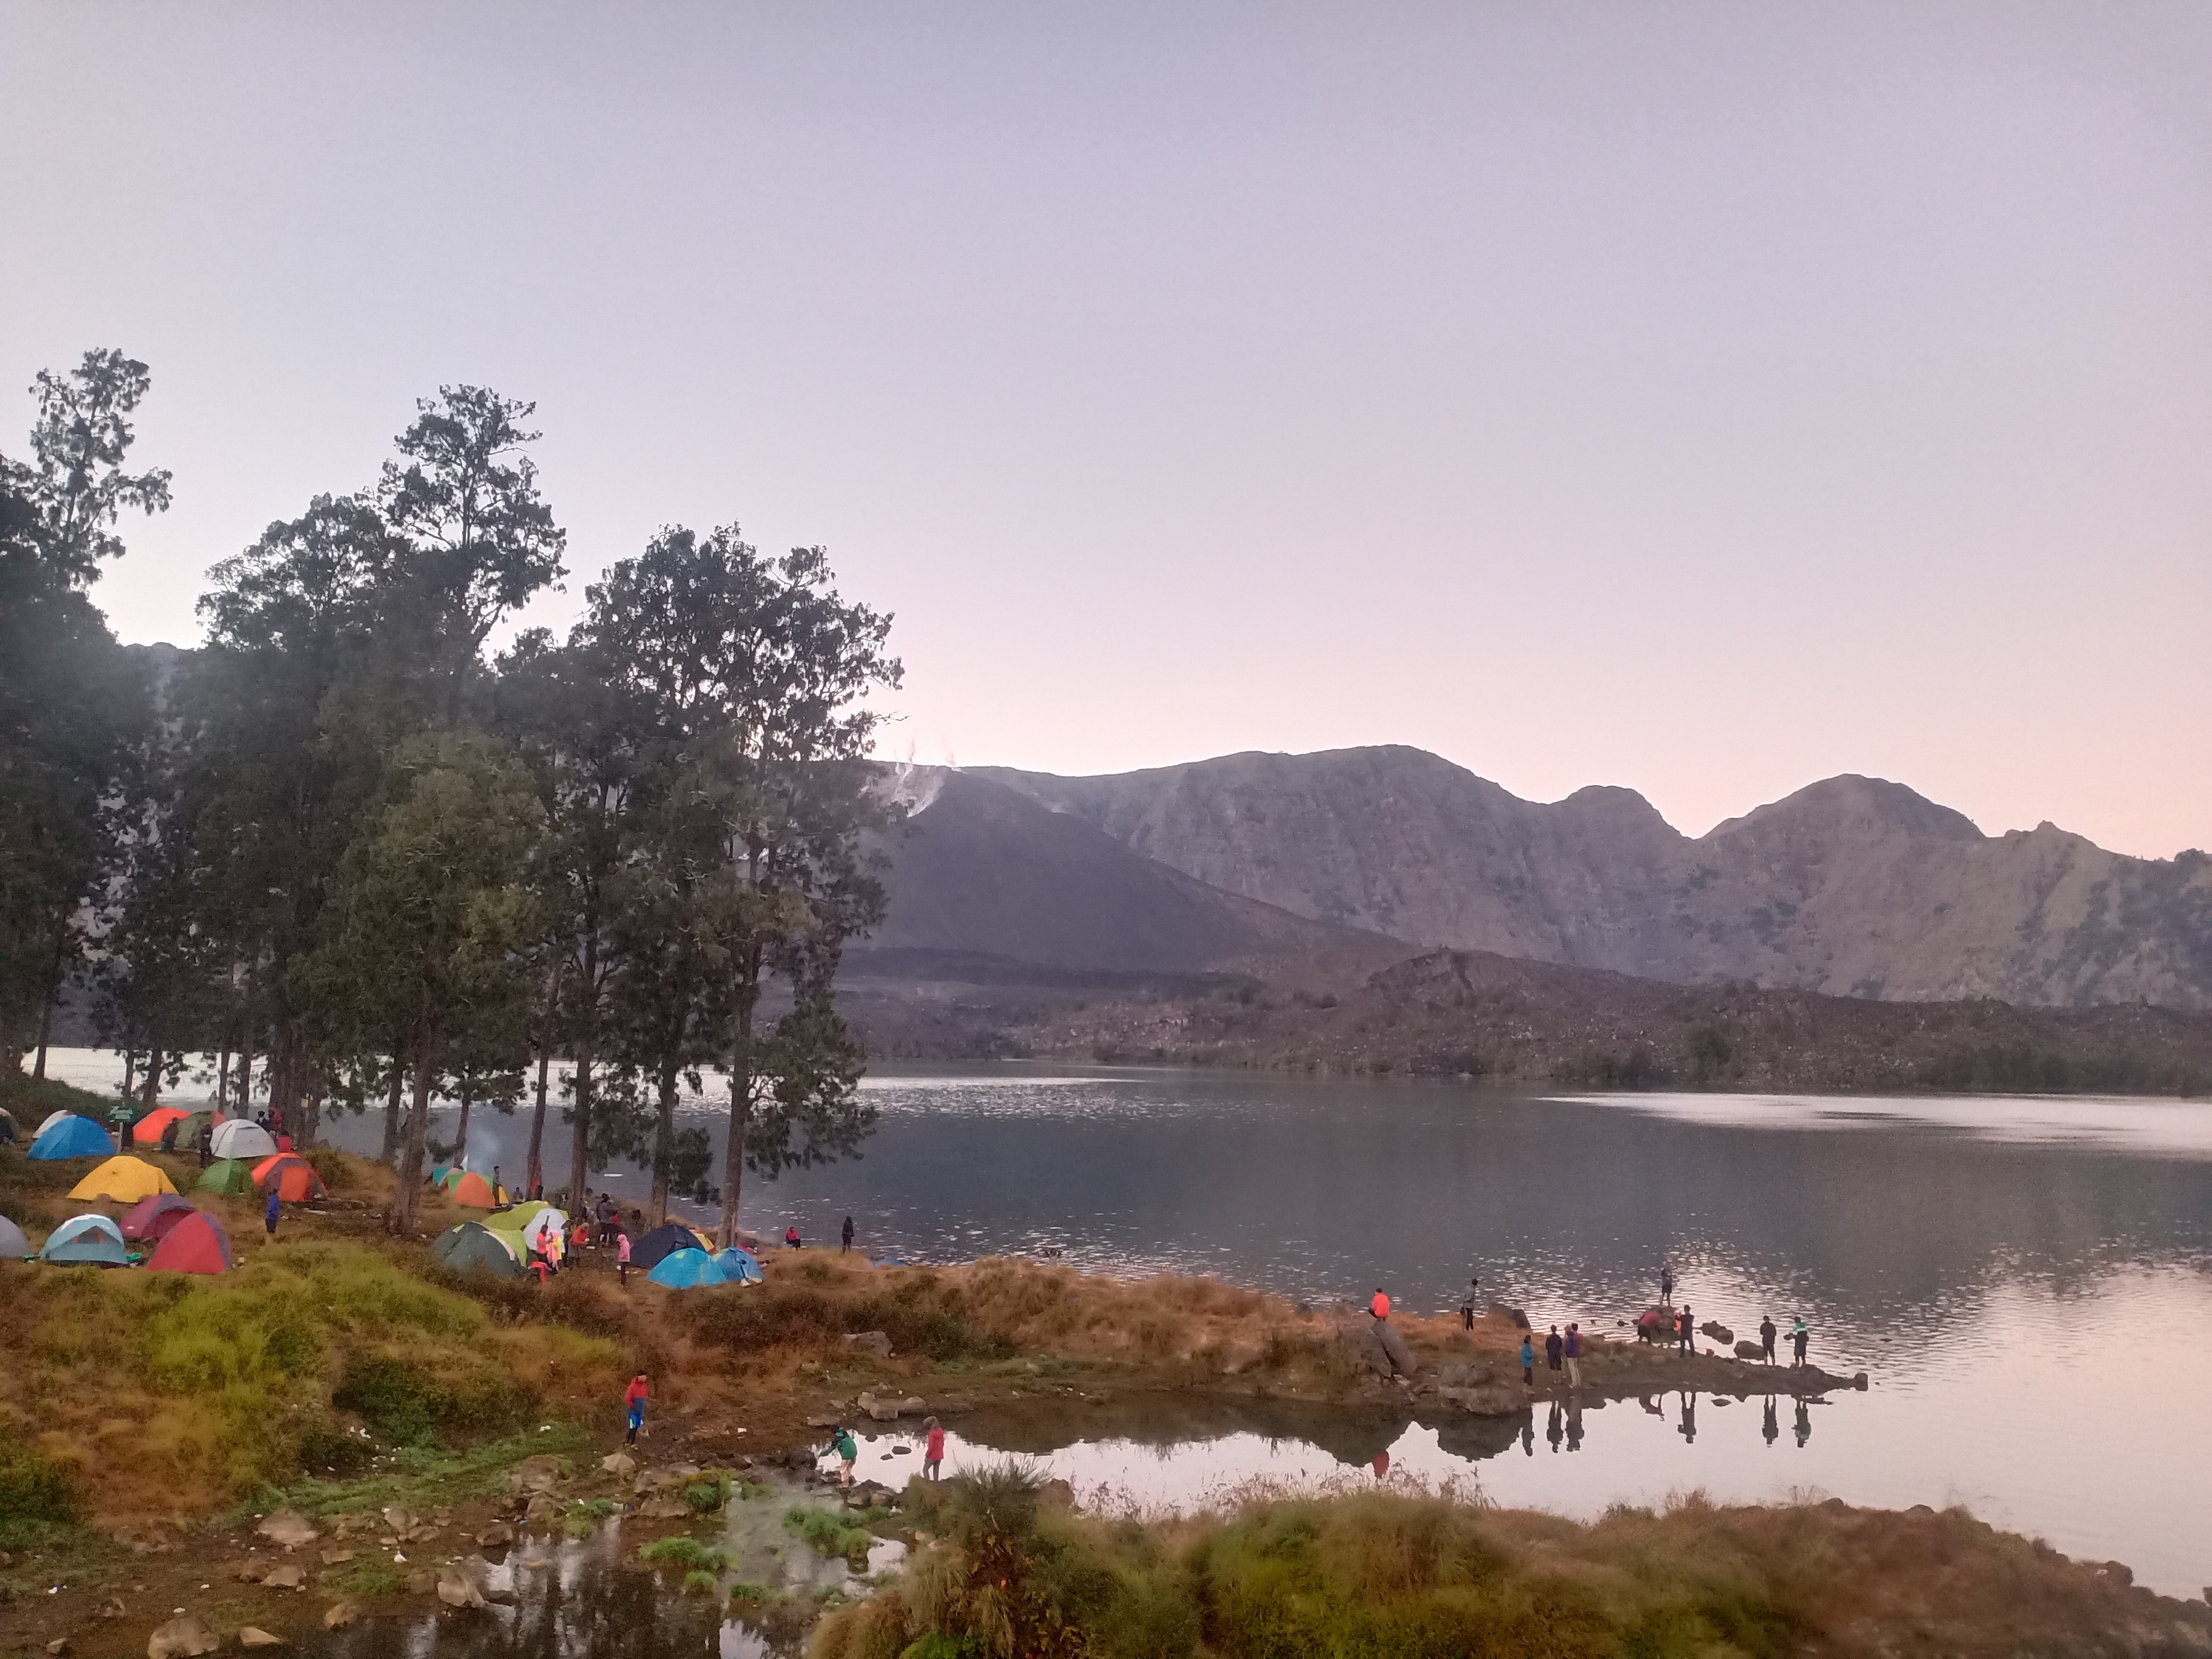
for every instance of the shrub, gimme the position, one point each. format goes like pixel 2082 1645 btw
pixel 36 1495
pixel 406 1403
pixel 681 1552
pixel 828 1533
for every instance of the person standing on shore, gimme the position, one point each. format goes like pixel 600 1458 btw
pixel 1554 1350
pixel 1468 1304
pixel 1574 1354
pixel 848 1237
pixel 1528 1364
pixel 1667 1283
pixel 276 1209
pixel 1799 1336
pixel 634 1399
pixel 1685 1335
pixel 622 1256
pixel 932 1449
pixel 1766 1336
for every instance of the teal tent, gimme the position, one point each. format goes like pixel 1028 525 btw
pixel 88 1239
pixel 74 1137
pixel 685 1270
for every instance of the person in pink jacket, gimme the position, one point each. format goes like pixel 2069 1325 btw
pixel 621 1256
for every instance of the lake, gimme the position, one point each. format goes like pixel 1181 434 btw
pixel 2028 1281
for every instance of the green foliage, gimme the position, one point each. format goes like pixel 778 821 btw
pixel 746 1590
pixel 424 1477
pixel 680 1551
pixel 917 1319
pixel 699 1582
pixel 404 1402
pixel 828 1533
pixel 36 1496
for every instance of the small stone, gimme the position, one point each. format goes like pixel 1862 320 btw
pixel 900 1451
pixel 498 1536
pixel 253 1569
pixel 874 1342
pixel 288 1528
pixel 182 1637
pixel 621 1465
pixel 534 1475
pixel 254 1636
pixel 339 1614
pixel 421 1583
pixel 337 1558
pixel 113 1608
pixel 289 1577
pixel 456 1587
pixel 542 1509
pixel 60 1645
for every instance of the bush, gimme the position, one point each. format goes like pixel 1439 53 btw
pixel 36 1495
pixel 828 1533
pixel 681 1552
pixel 407 1403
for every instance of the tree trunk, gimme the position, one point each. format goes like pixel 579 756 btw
pixel 534 1168
pixel 407 1200
pixel 741 1110
pixel 461 1134
pixel 391 1114
pixel 664 1138
pixel 46 1008
pixel 222 1077
pixel 154 1078
pixel 45 1031
pixel 245 1071
pixel 311 1118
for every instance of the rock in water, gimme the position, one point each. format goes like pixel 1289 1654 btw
pixel 182 1637
pixel 1719 1332
pixel 288 1528
pixel 456 1587
pixel 1502 1310
pixel 1749 1350
pixel 254 1636
pixel 498 1536
pixel 1393 1345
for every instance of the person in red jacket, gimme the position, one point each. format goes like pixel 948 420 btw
pixel 932 1449
pixel 1380 1306
pixel 634 1398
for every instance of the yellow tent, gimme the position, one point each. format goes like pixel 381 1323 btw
pixel 123 1179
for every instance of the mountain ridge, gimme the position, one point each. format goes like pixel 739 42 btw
pixel 1851 886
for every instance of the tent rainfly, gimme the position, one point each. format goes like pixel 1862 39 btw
pixel 123 1180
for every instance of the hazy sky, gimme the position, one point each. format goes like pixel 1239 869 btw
pixel 1701 398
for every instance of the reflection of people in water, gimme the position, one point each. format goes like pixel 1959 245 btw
pixel 1650 1405
pixel 1382 1464
pixel 1804 1423
pixel 1769 1427
pixel 1574 1424
pixel 1553 1432
pixel 1689 1429
pixel 1528 1437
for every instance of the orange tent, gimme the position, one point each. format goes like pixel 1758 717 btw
pixel 295 1176
pixel 147 1130
pixel 474 1191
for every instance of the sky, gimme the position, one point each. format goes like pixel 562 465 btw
pixel 1701 398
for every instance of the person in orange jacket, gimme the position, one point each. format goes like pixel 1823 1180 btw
pixel 634 1399
pixel 1380 1306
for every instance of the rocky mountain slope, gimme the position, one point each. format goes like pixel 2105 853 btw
pixel 1852 886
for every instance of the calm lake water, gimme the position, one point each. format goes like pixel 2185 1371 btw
pixel 2028 1281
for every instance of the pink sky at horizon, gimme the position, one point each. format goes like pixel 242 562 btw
pixel 1696 398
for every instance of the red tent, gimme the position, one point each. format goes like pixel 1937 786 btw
pixel 295 1176
pixel 147 1130
pixel 197 1244
pixel 473 1190
pixel 155 1216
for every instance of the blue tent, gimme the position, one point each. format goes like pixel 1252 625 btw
pixel 684 1270
pixel 737 1266
pixel 74 1137
pixel 86 1238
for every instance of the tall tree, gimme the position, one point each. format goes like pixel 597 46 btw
pixel 758 672
pixel 71 707
pixel 431 917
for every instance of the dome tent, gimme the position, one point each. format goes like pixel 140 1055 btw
pixel 739 1266
pixel 231 1176
pixel 14 1247
pixel 72 1136
pixel 196 1244
pixel 184 1135
pixel 473 1191
pixel 534 1228
pixel 472 1248
pixel 668 1236
pixel 294 1178
pixel 242 1138
pixel 152 1217
pixel 88 1239
pixel 684 1270
pixel 51 1119
pixel 148 1130
pixel 123 1180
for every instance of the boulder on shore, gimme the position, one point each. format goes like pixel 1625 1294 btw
pixel 182 1637
pixel 1719 1332
pixel 1749 1350
pixel 1504 1311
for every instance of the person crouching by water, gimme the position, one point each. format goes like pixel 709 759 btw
pixel 847 1450
pixel 1378 1305
pixel 634 1399
pixel 790 1237
pixel 932 1449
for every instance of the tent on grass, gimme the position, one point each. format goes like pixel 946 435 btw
pixel 243 1137
pixel 473 1191
pixel 231 1176
pixel 50 1120
pixel 156 1217
pixel 454 1176
pixel 294 1178
pixel 14 1247
pixel 123 1179
pixel 516 1214
pixel 437 1175
pixel 534 1230
pixel 148 1130
pixel 72 1136
pixel 473 1248
pixel 91 1238
pixel 184 1135
pixel 648 1252
pixel 196 1244
pixel 684 1270
pixel 739 1266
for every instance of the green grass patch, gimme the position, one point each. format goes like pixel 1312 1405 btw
pixel 746 1590
pixel 37 1500
pixel 683 1552
pixel 373 1577
pixel 422 1479
pixel 827 1532
pixel 699 1581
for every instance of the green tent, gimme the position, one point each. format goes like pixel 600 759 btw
pixel 184 1135
pixel 231 1176
pixel 470 1247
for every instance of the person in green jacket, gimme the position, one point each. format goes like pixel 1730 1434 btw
pixel 848 1453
